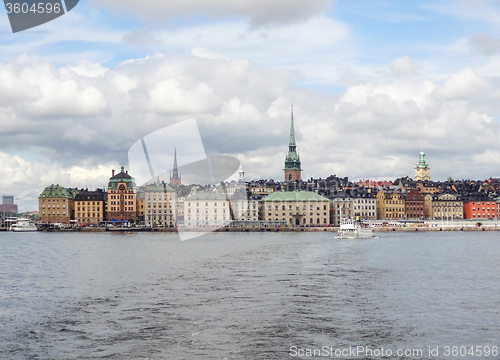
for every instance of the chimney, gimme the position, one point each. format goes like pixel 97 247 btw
pixel 113 172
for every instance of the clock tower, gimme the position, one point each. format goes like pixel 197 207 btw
pixel 292 160
pixel 422 169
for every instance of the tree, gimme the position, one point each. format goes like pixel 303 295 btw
pixel 450 179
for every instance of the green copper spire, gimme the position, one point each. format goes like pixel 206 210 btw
pixel 421 160
pixel 292 160
pixel 292 132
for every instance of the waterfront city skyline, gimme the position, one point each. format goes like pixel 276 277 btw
pixel 372 83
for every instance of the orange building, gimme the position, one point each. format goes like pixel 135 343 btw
pixel 480 206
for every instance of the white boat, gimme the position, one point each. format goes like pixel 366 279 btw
pixel 353 229
pixel 23 225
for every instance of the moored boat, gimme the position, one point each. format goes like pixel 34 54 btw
pixel 353 229
pixel 22 225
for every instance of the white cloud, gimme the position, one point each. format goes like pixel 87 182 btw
pixel 37 89
pixel 204 53
pixel 87 68
pixel 259 12
pixel 463 84
pixel 403 65
pixel 27 179
pixel 372 129
pixel 175 96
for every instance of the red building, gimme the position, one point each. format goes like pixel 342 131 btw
pixel 122 197
pixel 480 206
pixel 8 208
pixel 414 204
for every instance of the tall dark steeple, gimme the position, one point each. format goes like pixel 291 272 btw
pixel 175 179
pixel 292 160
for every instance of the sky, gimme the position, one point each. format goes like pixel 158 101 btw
pixel 372 83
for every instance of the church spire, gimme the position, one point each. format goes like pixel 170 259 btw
pixel 175 170
pixel 292 160
pixel 292 131
pixel 175 178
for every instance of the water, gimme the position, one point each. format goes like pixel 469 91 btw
pixel 245 295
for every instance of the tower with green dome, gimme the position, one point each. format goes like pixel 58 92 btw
pixel 292 160
pixel 422 169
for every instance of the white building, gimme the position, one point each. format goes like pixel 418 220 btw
pixel 206 209
pixel 365 207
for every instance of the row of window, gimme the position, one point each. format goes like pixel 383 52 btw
pixel 54 206
pixel 88 208
pixel 80 215
pixel 159 205
pixel 126 208
pixel 53 213
pixel 206 204
pixel 159 212
pixel 290 207
pixel 369 207
pixel 159 217
pixel 304 222
pixel 160 198
pixel 121 197
pixel 118 203
pixel 206 218
pixel 206 211
pixel 290 213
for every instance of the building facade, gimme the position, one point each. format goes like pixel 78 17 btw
pixel 390 205
pixel 7 200
pixel 447 207
pixel 245 205
pixel 365 207
pixel 292 161
pixel 414 204
pixel 206 209
pixel 297 208
pixel 480 206
pixel 90 206
pixel 341 207
pixel 122 201
pixel 56 205
pixel 160 205
pixel 9 208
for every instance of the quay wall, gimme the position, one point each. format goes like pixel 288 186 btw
pixel 467 227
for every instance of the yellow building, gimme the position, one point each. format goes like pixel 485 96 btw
pixel 443 206
pixel 296 208
pixel 390 205
pixel 55 205
pixel 140 207
pixel 90 206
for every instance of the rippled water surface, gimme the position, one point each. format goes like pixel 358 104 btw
pixel 245 295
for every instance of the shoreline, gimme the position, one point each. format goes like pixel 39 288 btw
pixel 290 229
